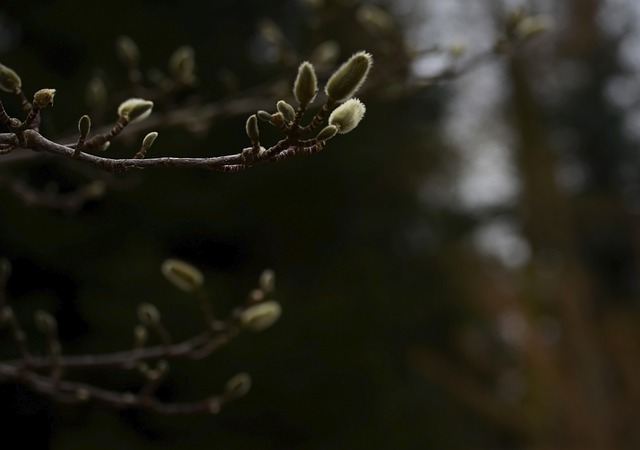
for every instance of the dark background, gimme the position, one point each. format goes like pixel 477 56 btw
pixel 398 331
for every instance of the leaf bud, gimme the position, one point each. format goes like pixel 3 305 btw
pixel 44 98
pixel 149 139
pixel 182 275
pixel 261 316
pixel 349 77
pixel 264 116
pixel 347 116
pixel 327 133
pixel 238 385
pixel 306 85
pixel 252 128
pixel 9 79
pixel 286 110
pixel 135 109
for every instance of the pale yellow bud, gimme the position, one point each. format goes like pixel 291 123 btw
pixel 148 314
pixel 251 128
pixel 261 316
pixel 347 116
pixel 44 98
pixel 135 109
pixel 149 139
pixel 9 79
pixel 286 110
pixel 182 275
pixel 306 85
pixel 349 77
pixel 238 385
pixel 327 133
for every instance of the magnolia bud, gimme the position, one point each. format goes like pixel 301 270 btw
pixel 252 128
pixel 45 322
pixel 135 109
pixel 182 64
pixel 127 51
pixel 261 316
pixel 286 110
pixel 349 77
pixel 327 133
pixel 182 275
pixel 264 116
pixel 44 98
pixel 238 385
pixel 347 116
pixel 149 139
pixel 306 85
pixel 9 79
pixel 148 314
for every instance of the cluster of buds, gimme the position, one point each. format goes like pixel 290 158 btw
pixel 339 90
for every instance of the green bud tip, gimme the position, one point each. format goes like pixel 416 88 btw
pixel 238 385
pixel 252 128
pixel 182 275
pixel 286 110
pixel 9 79
pixel 261 316
pixel 347 116
pixel 84 125
pixel 305 87
pixel 44 98
pixel 135 109
pixel 349 77
pixel 327 133
pixel 149 139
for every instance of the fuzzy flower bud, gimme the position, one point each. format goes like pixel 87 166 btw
pixel 327 133
pixel 347 116
pixel 182 275
pixel 9 79
pixel 251 128
pixel 238 385
pixel 149 139
pixel 128 51
pixel 286 110
pixel 306 85
pixel 261 316
pixel 135 109
pixel 148 314
pixel 44 98
pixel 349 77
